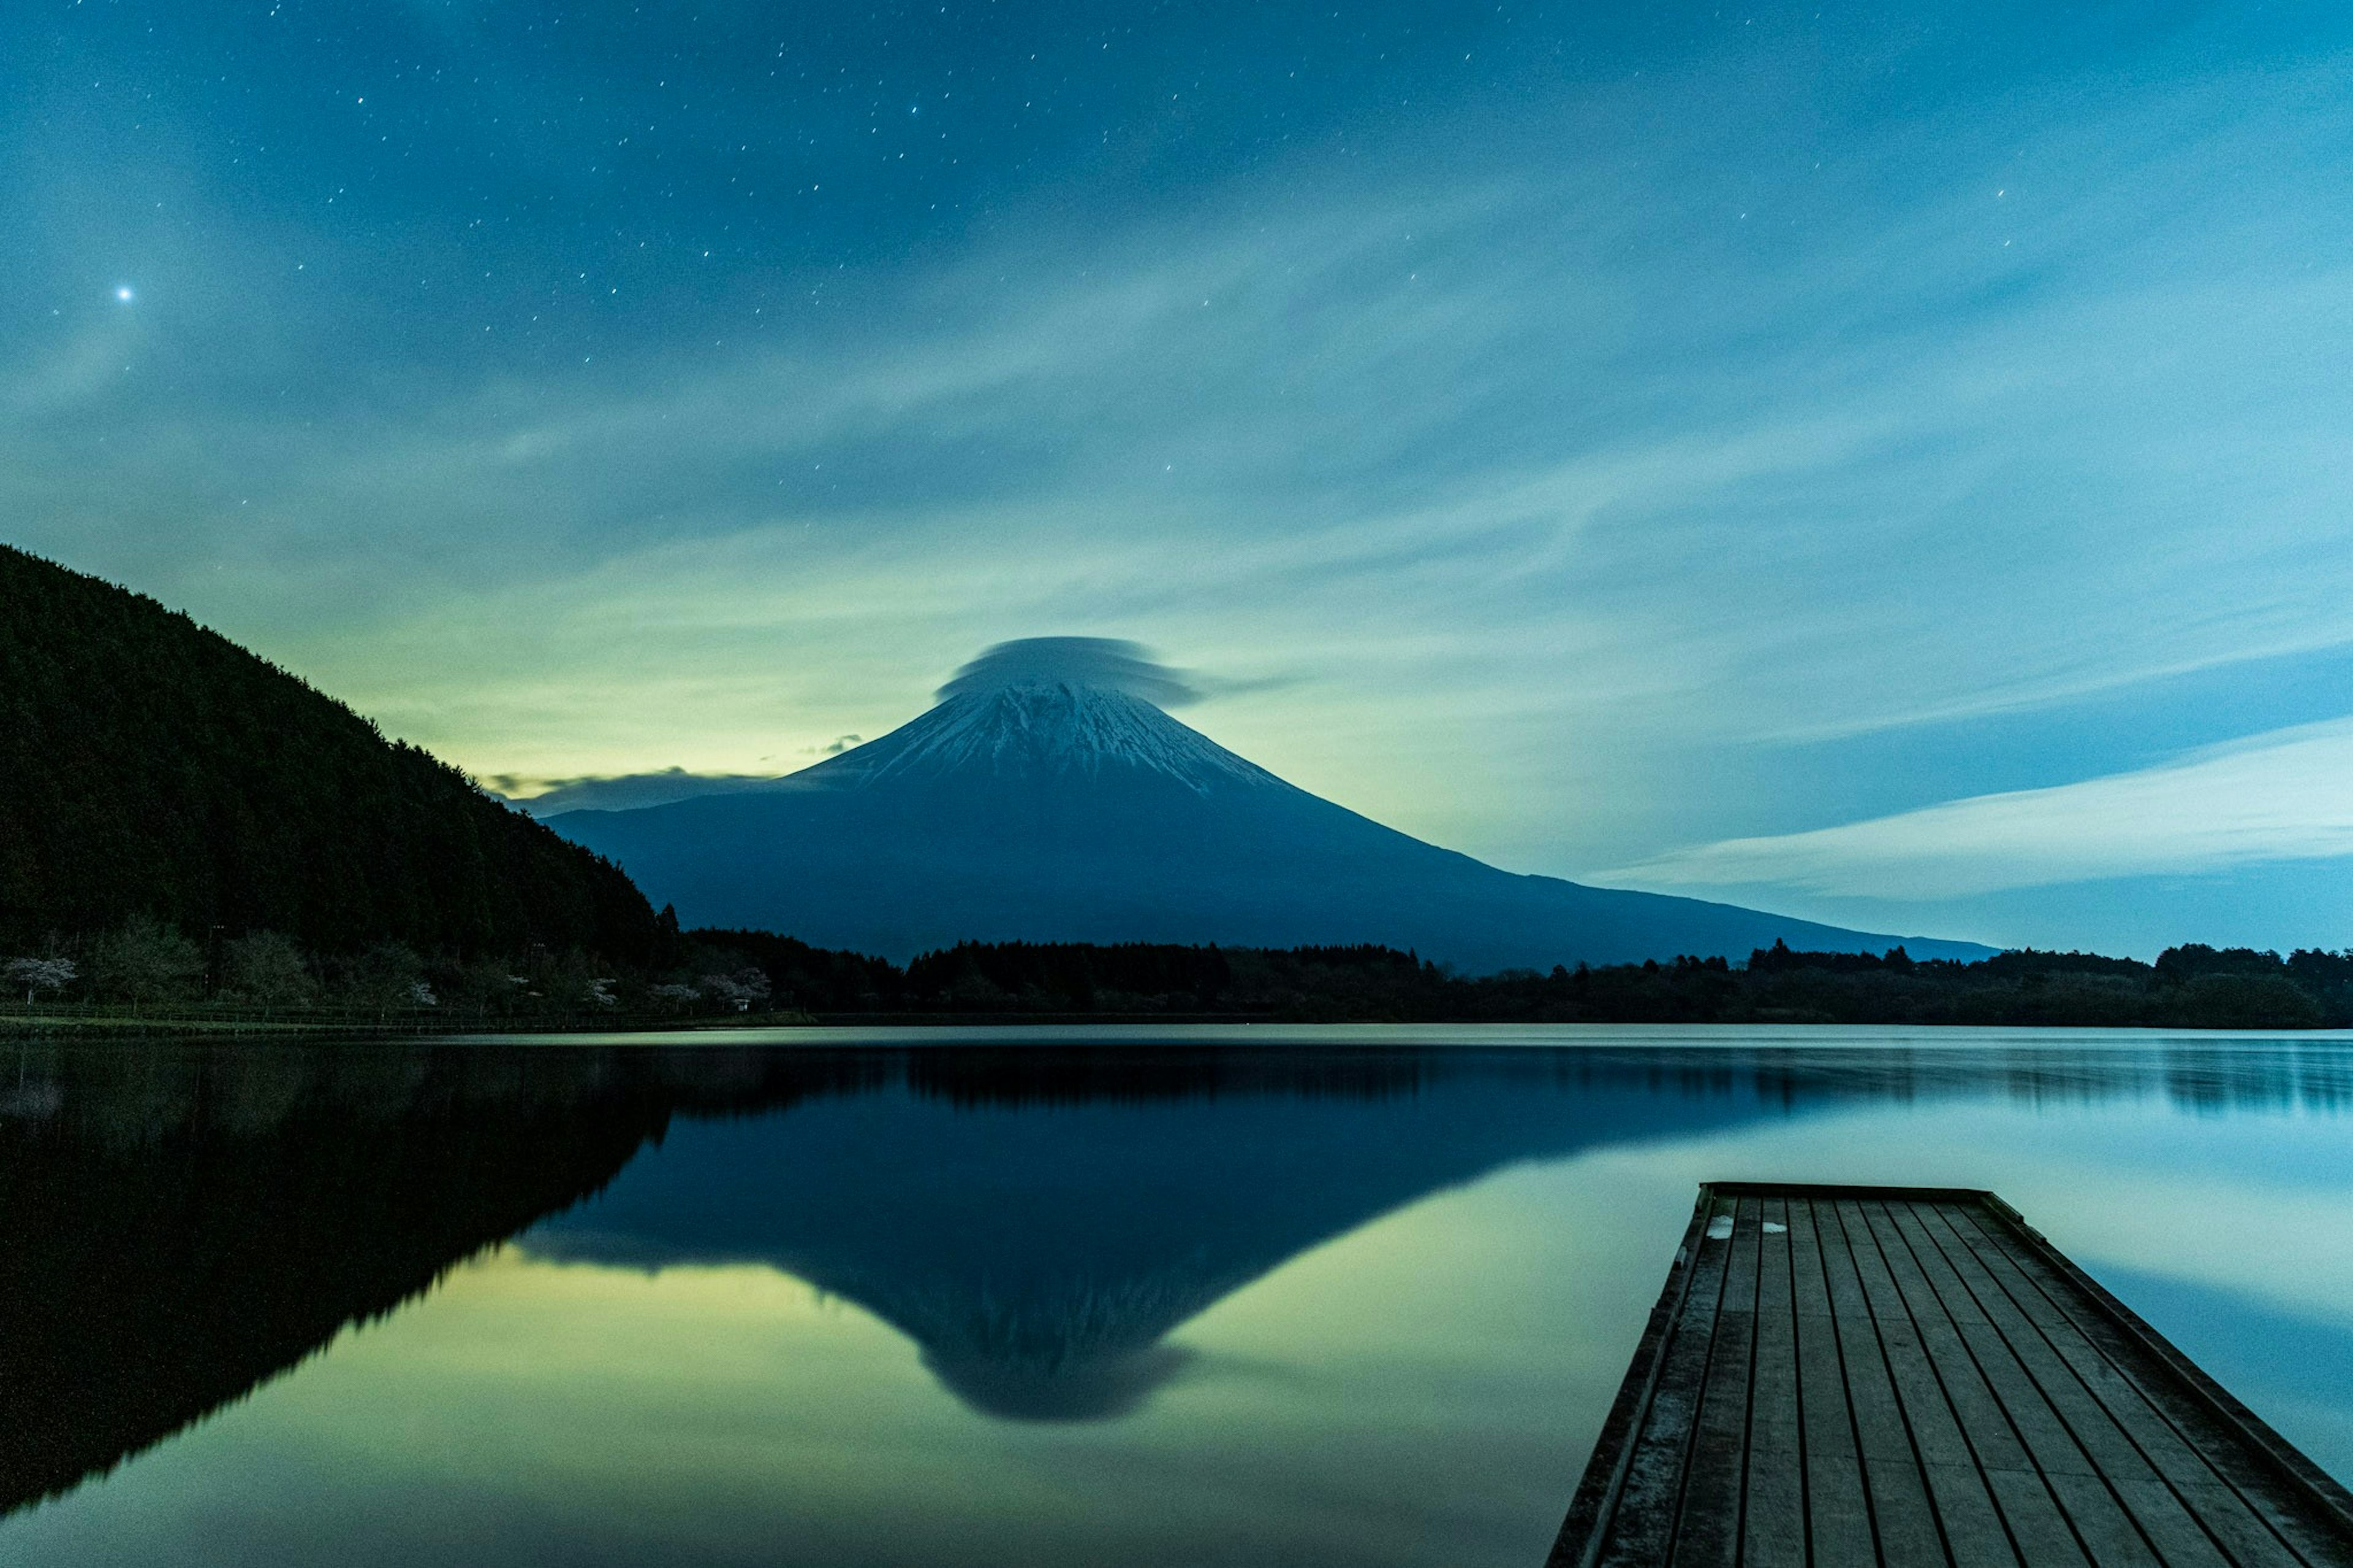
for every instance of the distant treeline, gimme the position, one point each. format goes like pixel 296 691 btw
pixel 2192 986
pixel 719 975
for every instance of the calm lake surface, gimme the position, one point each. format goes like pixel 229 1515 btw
pixel 1226 1297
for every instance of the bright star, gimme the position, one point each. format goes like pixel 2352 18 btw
pixel 124 293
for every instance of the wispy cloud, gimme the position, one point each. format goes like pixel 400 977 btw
pixel 2287 796
pixel 623 792
pixel 1500 485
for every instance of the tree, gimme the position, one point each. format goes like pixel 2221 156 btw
pixel 388 975
pixel 267 968
pixel 146 959
pixel 40 974
pixel 482 986
pixel 741 990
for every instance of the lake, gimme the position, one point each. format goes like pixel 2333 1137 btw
pixel 1242 1295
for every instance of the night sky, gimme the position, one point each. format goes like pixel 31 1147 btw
pixel 1891 463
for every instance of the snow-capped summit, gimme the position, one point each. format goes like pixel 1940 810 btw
pixel 1041 726
pixel 1049 796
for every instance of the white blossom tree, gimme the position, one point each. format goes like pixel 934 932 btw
pixel 40 974
pixel 741 990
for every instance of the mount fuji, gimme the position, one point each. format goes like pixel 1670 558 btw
pixel 1048 798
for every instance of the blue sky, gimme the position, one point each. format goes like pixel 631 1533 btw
pixel 1887 463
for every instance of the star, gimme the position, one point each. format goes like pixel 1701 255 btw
pixel 124 293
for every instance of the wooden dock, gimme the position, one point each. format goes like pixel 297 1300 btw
pixel 1849 1377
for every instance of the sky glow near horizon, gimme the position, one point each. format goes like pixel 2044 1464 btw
pixel 1886 464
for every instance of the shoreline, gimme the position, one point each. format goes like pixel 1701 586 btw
pixel 828 1028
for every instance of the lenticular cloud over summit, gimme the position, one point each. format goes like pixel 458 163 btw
pixel 1111 663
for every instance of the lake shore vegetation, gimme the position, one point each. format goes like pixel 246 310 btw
pixel 149 974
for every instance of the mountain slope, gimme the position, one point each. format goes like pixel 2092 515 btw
pixel 1057 809
pixel 149 766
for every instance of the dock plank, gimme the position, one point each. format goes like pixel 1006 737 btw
pixel 2029 1324
pixel 1773 1511
pixel 1900 1510
pixel 1975 1535
pixel 1638 1529
pixel 2233 1495
pixel 1850 1377
pixel 1708 1525
pixel 1838 1508
pixel 2037 1527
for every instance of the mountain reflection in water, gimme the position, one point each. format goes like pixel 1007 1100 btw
pixel 1038 1239
pixel 186 1223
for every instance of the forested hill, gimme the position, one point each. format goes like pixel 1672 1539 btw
pixel 151 768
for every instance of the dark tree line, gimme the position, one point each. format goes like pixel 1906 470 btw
pixel 728 975
pixel 151 769
pixel 2192 986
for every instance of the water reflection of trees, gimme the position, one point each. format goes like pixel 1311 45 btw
pixel 186 1222
pixel 2040 1072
